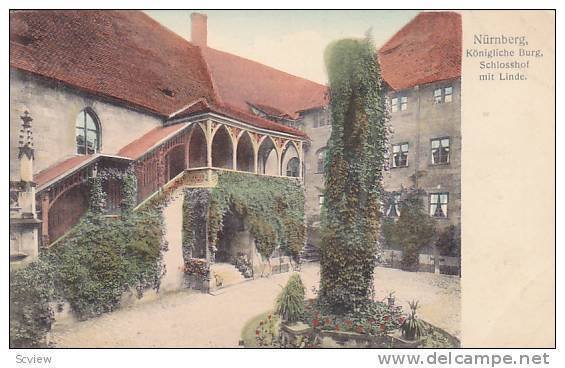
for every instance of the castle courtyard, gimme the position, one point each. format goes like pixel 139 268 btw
pixel 192 319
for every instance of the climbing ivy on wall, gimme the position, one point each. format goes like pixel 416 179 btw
pixel 354 166
pixel 272 207
pixel 92 267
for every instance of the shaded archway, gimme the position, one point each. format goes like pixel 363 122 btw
pixel 290 160
pixel 222 149
pixel 268 158
pixel 245 156
pixel 197 148
pixel 67 210
pixel 175 161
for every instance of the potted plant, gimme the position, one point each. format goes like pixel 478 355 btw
pixel 412 328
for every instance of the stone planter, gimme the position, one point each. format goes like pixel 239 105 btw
pixel 399 342
pixel 292 332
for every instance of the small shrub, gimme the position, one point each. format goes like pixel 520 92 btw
pixel 290 302
pixel 412 328
pixel 31 290
pixel 449 241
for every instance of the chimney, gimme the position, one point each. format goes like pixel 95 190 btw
pixel 199 30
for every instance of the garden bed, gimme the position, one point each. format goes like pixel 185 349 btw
pixel 434 337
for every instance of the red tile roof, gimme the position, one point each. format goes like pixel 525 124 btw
pixel 126 55
pixel 427 49
pixel 151 139
pixel 45 176
pixel 120 54
pixel 239 82
pixel 241 115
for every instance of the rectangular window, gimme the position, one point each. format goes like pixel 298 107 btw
pixel 403 103
pixel 398 103
pixel 443 95
pixel 440 151
pixel 438 204
pixel 393 208
pixel 400 155
pixel 394 104
pixel 321 200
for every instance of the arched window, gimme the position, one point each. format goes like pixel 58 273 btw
pixel 87 133
pixel 320 160
pixel 293 167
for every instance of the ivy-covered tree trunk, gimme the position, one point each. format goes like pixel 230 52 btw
pixel 354 165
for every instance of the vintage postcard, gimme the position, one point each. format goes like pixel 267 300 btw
pixel 282 179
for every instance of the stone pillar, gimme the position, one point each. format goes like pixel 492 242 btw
pixel 45 218
pixel 301 159
pixel 24 225
pixel 255 158
pixel 208 143
pixel 234 153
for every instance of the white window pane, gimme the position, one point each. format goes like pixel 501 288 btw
pixel 448 90
pixel 433 208
pixel 444 209
pixel 404 99
pixel 448 98
pixel 394 108
pixel 435 144
pixel 90 124
pixel 397 210
pixel 433 198
pixel 403 106
pixel 445 142
pixel 395 148
pixel 437 92
pixel 443 198
pixel 394 101
pixel 405 148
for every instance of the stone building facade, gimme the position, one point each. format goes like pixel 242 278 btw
pixel 115 90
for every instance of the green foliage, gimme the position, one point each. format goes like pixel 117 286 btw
pixel 372 318
pixel 449 241
pixel 290 302
pixel 412 327
pixel 102 258
pixel 97 198
pixel 354 165
pixel 129 191
pixel 414 228
pixel 273 208
pixel 31 290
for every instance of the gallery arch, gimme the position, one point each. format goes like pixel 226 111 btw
pixel 222 149
pixel 245 154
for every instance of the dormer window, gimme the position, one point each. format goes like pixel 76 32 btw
pixel 87 133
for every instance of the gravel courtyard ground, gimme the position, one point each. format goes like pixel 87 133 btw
pixel 189 319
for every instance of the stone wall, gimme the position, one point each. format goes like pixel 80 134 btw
pixel 417 125
pixel 54 108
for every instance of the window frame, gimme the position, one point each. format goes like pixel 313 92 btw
pixel 398 102
pixel 85 130
pixel 442 97
pixel 440 139
pixel 438 203
pixel 393 164
pixel 394 200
